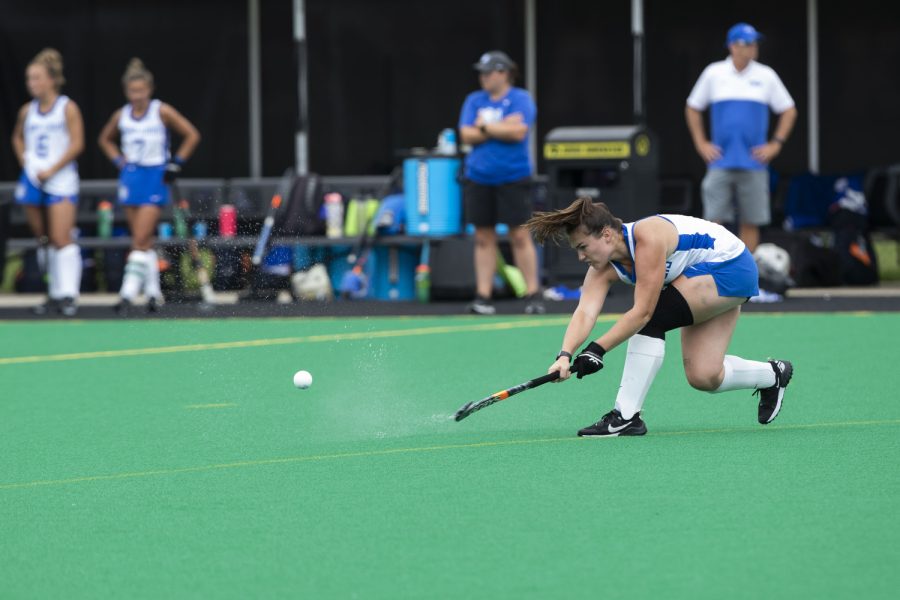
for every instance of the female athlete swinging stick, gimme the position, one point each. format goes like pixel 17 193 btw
pixel 688 273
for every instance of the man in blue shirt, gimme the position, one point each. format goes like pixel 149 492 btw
pixel 496 121
pixel 739 93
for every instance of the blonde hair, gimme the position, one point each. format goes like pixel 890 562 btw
pixel 136 71
pixel 51 59
pixel 557 225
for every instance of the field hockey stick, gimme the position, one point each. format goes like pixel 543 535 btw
pixel 283 189
pixel 470 407
pixel 207 294
pixel 353 283
pixel 43 249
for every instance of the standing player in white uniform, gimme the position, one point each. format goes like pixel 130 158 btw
pixel 48 137
pixel 136 140
pixel 688 273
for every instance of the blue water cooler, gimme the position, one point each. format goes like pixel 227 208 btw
pixel 433 196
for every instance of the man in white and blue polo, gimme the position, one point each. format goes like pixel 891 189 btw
pixel 739 93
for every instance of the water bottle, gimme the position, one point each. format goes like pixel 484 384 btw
pixel 227 220
pixel 423 283
pixel 164 231
pixel 200 230
pixel 104 219
pixel 181 227
pixel 334 215
pixel 447 142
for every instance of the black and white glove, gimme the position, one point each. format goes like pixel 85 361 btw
pixel 173 170
pixel 589 360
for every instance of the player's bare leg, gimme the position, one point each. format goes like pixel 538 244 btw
pixel 485 268
pixel 709 368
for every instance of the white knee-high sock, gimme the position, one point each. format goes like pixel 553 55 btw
pixel 135 273
pixel 52 265
pixel 68 269
pixel 152 288
pixel 741 374
pixel 643 359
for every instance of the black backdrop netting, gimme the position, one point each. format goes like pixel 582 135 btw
pixel 391 74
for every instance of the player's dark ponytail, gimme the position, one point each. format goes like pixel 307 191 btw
pixel 557 225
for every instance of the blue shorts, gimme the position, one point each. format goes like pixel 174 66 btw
pixel 29 194
pixel 737 277
pixel 139 186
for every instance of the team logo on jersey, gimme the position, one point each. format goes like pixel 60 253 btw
pixel 490 114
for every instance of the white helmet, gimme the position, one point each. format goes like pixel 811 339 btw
pixel 773 262
pixel 313 284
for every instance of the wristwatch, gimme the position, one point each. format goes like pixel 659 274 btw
pixel 483 129
pixel 564 353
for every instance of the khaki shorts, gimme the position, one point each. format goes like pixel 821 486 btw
pixel 736 196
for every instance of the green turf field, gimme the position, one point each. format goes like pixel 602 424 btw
pixel 167 459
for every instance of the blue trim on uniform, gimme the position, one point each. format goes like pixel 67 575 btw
pixel 139 186
pixel 623 271
pixel 737 277
pixel 140 118
pixel 627 242
pixel 28 194
pixel 37 106
pixel 632 276
pixel 664 217
pixel 695 241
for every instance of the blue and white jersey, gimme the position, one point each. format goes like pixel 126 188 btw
pixel 145 141
pixel 700 242
pixel 739 103
pixel 46 140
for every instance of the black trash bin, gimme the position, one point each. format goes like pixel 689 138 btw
pixel 615 165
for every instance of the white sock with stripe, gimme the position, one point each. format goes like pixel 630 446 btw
pixel 152 287
pixel 51 263
pixel 643 359
pixel 68 271
pixel 135 273
pixel 741 374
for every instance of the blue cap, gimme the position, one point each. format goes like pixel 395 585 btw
pixel 743 32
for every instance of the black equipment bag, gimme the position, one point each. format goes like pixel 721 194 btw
pixel 301 214
pixel 858 265
pixel 848 216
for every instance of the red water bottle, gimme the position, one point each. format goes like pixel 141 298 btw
pixel 227 220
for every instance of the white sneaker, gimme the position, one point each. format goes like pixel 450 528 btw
pixel 766 297
pixel 481 306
